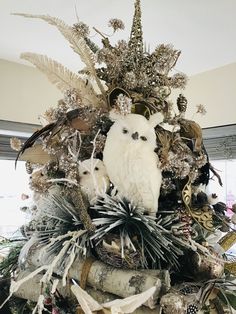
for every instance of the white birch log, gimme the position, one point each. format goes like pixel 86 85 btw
pixel 31 291
pixel 117 281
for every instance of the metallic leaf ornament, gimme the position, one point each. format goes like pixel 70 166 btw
pixel 228 240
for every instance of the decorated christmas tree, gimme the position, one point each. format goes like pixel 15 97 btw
pixel 121 221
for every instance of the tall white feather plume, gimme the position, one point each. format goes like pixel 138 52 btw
pixel 62 77
pixel 77 42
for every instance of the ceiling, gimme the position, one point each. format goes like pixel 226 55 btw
pixel 204 30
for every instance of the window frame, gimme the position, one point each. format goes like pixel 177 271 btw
pixel 219 141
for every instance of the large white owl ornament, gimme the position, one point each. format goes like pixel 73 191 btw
pixel 131 163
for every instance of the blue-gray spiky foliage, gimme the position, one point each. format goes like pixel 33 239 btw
pixel 156 243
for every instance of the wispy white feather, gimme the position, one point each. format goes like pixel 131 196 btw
pixel 62 77
pixel 77 42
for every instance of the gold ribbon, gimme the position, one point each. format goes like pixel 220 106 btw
pixel 84 277
pixel 226 243
pixel 204 218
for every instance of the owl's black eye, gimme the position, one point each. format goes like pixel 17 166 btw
pixel 85 172
pixel 143 138
pixel 96 168
pixel 125 131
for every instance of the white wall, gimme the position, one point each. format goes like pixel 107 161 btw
pixel 25 93
pixel 216 90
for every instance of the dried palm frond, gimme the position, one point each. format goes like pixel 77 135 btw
pixel 63 78
pixel 120 217
pixel 36 155
pixel 78 43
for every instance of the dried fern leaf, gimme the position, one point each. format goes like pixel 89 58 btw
pixel 36 155
pixel 77 42
pixel 62 77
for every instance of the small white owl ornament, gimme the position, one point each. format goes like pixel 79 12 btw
pixel 131 163
pixel 93 177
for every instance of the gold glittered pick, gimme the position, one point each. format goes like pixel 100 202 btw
pixel 226 243
pixel 231 267
pixel 228 240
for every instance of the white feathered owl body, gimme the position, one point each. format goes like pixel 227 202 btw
pixel 131 163
pixel 93 177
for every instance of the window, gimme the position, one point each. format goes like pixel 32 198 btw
pixel 13 184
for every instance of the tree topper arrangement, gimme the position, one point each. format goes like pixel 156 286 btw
pixel 121 221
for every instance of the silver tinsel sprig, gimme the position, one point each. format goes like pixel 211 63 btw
pixel 130 80
pixel 121 46
pixel 81 28
pixel 116 24
pixel 166 57
pixel 178 80
pixel 69 167
pixel 100 143
pixel 71 98
pixel 105 55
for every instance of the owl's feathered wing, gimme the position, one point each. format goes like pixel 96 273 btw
pixel 143 179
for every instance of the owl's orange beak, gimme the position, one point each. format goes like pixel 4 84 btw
pixel 135 136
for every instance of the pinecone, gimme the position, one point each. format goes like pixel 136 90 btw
pixel 182 103
pixel 192 309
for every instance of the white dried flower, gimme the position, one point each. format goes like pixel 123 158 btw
pixel 49 116
pixel 15 143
